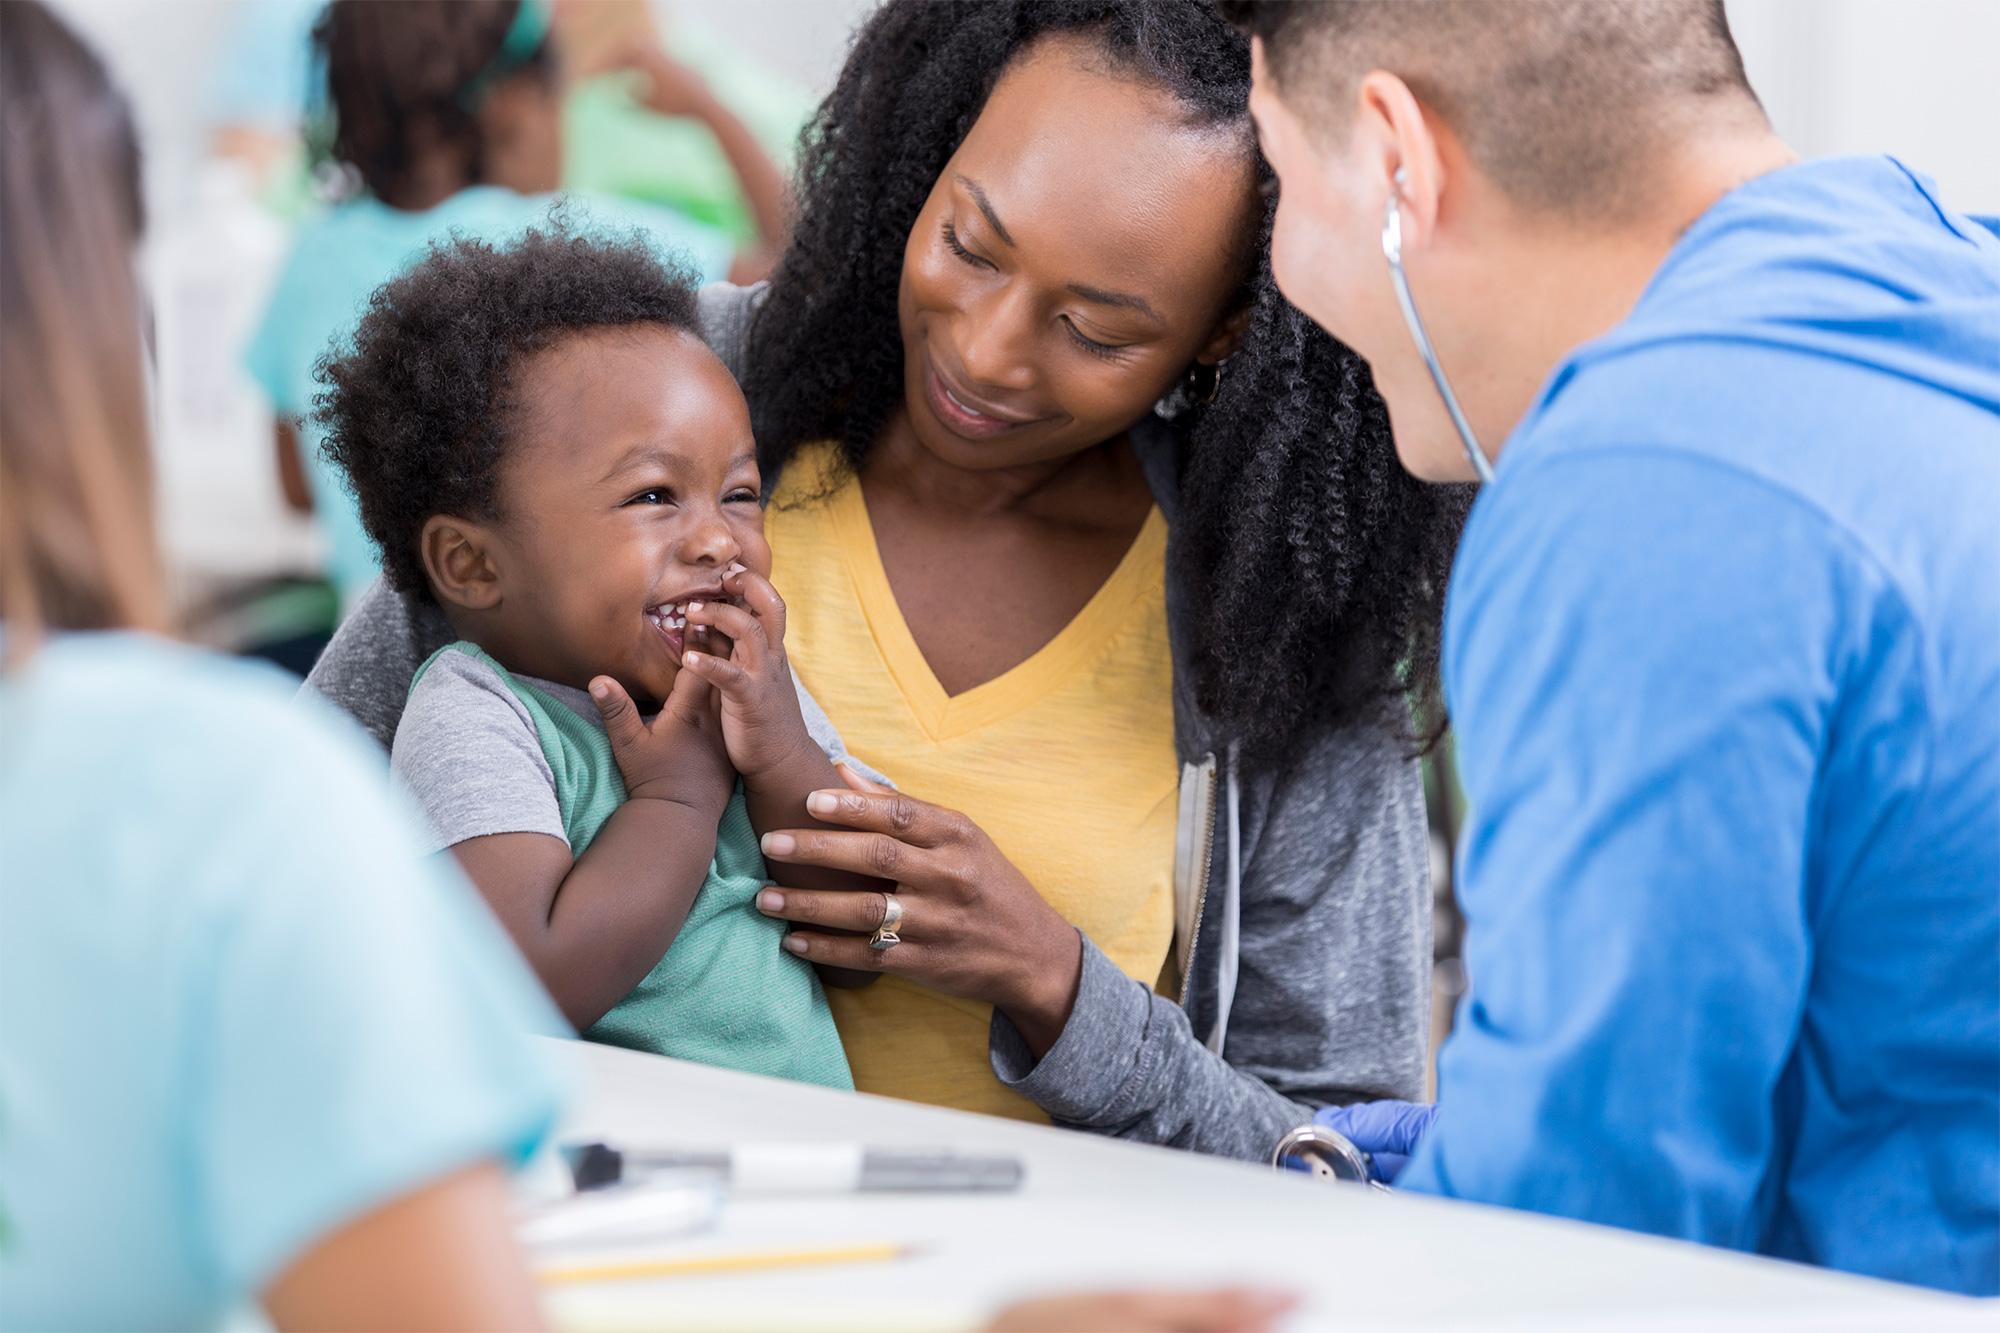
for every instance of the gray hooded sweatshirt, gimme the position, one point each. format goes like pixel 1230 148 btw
pixel 1302 915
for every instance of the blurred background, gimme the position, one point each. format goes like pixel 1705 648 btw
pixel 224 95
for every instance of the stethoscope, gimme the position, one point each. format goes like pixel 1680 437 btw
pixel 1326 1155
pixel 1322 1153
pixel 1392 250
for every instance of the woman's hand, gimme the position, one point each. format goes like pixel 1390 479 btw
pixel 972 924
pixel 1227 1311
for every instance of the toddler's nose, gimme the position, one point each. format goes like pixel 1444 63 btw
pixel 710 543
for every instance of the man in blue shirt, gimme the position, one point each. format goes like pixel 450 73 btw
pixel 1723 642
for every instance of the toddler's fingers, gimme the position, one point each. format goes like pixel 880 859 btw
pixel 721 672
pixel 762 599
pixel 746 635
pixel 622 722
pixel 691 702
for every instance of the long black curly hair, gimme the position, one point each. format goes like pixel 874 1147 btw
pixel 1316 564
pixel 417 412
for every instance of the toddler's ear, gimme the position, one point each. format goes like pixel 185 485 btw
pixel 458 556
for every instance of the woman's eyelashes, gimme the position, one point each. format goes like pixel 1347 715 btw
pixel 1106 351
pixel 952 243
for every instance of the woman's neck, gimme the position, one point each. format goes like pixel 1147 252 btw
pixel 899 464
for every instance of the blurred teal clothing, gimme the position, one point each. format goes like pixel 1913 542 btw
pixel 237 1009
pixel 340 258
pixel 264 71
pixel 1723 658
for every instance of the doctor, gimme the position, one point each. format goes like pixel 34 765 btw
pixel 1723 642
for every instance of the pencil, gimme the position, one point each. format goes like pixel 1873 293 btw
pixel 735 1261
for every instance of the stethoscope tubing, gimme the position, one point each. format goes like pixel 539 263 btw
pixel 1392 250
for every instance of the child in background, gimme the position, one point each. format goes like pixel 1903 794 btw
pixel 542 445
pixel 450 112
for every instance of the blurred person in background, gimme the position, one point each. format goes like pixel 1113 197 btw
pixel 614 144
pixel 1723 647
pixel 253 1047
pixel 449 112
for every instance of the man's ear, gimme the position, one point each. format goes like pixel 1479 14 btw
pixel 1227 338
pixel 1400 139
pixel 459 557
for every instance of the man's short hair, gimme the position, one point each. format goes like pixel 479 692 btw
pixel 1566 104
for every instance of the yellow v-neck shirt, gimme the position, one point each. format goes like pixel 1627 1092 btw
pixel 1067 761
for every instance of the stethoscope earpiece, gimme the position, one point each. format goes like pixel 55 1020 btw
pixel 1392 250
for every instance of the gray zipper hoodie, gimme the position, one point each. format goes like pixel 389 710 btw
pixel 1302 915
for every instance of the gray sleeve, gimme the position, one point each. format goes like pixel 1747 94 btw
pixel 820 727
pixel 1332 1001
pixel 366 671
pixel 726 310
pixel 469 753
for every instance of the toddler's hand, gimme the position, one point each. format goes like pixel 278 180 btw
pixel 761 722
pixel 678 756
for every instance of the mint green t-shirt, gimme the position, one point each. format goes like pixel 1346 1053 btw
pixel 725 993
pixel 239 1009
pixel 340 258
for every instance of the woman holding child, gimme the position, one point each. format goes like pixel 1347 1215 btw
pixel 1101 551
pixel 256 1050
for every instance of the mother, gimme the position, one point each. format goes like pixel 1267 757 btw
pixel 1091 536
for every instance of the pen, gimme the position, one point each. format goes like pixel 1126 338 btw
pixel 800 1168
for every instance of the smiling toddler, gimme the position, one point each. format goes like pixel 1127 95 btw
pixel 542 446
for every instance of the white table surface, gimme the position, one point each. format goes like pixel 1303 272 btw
pixel 1098 1213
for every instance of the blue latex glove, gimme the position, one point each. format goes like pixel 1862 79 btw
pixel 1387 1131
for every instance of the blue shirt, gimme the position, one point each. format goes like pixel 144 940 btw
pixel 1723 656
pixel 339 259
pixel 237 1010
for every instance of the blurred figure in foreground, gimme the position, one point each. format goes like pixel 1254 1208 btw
pixel 251 1047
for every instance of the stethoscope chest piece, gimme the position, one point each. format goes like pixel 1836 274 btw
pixel 1326 1156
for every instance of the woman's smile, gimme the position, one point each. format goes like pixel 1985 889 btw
pixel 965 413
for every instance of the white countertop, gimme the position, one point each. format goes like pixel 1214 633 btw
pixel 1098 1213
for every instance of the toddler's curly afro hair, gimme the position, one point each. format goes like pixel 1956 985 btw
pixel 416 413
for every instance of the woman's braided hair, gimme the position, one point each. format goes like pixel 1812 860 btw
pixel 1316 565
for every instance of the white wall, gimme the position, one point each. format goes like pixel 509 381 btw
pixel 1917 78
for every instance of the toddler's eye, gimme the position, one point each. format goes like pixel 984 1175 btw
pixel 741 495
pixel 655 495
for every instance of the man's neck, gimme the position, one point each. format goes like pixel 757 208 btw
pixel 1561 283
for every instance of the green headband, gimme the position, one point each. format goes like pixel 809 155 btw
pixel 523 41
